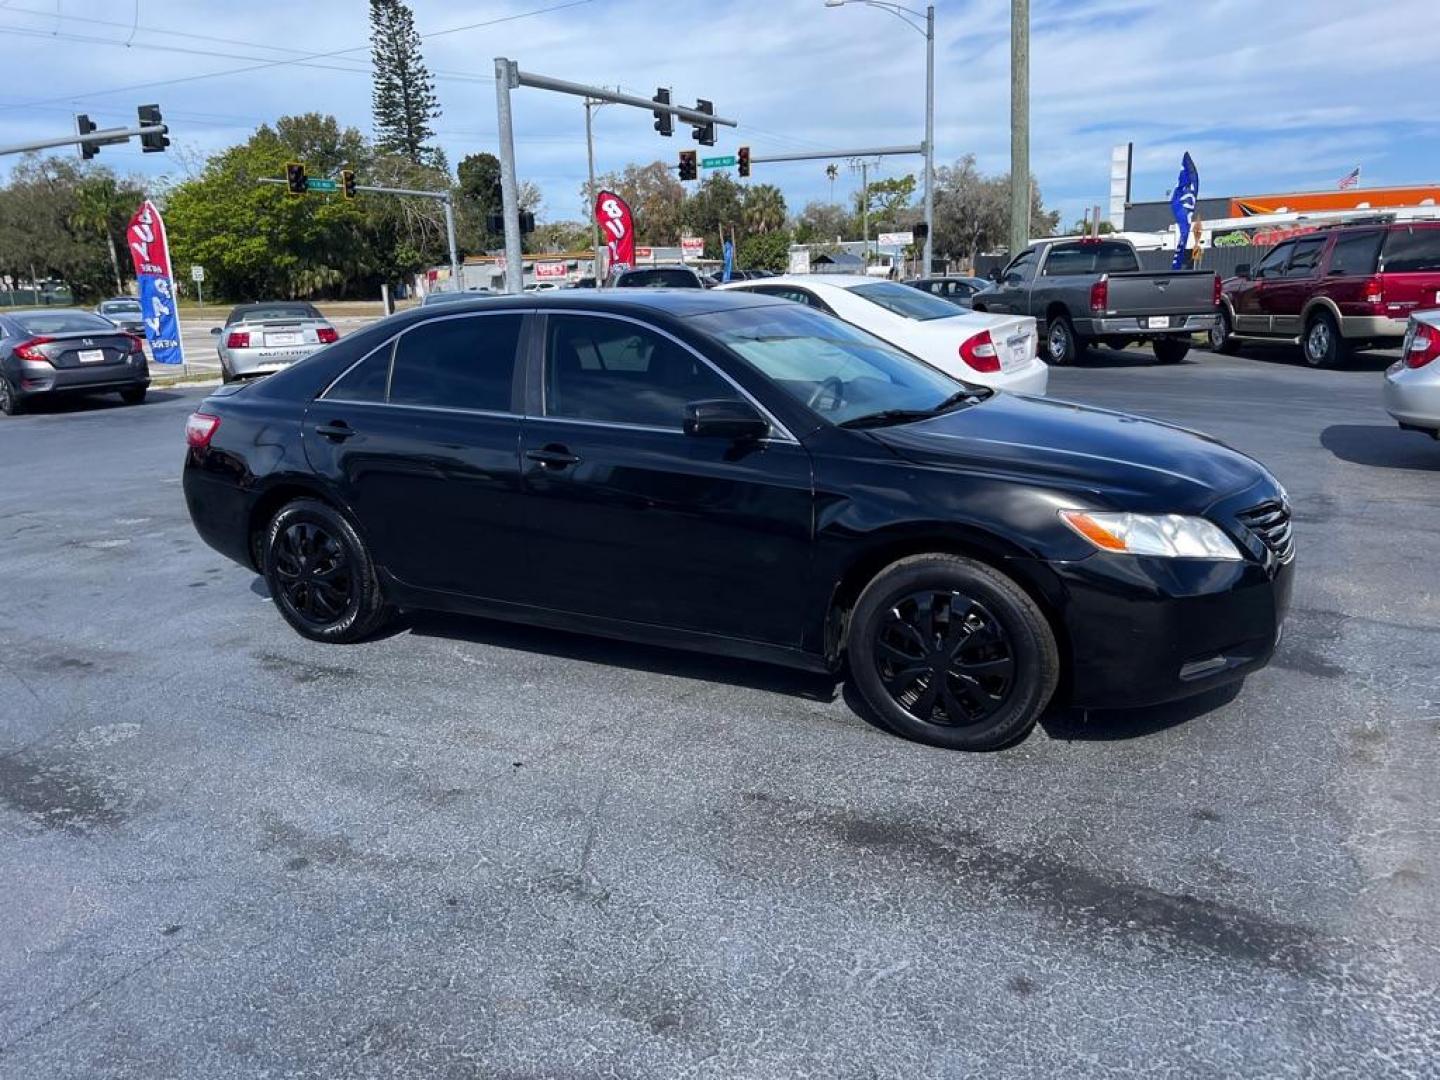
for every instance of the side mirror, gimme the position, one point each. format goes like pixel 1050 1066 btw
pixel 725 419
pixel 214 329
pixel 994 274
pixel 1242 270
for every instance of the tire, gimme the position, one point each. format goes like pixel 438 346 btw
pixel 135 395
pixel 1062 347
pixel 1171 350
pixel 1221 337
pixel 340 602
pixel 1321 345
pixel 986 637
pixel 10 402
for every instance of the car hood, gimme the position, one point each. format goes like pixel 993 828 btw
pixel 1123 461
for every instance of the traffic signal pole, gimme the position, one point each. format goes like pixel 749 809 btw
pixel 102 136
pixel 508 77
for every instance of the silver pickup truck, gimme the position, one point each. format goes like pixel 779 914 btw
pixel 1093 290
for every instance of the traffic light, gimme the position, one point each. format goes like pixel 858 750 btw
pixel 347 183
pixel 704 133
pixel 664 121
pixel 495 223
pixel 743 159
pixel 156 141
pixel 527 222
pixel 687 165
pixel 295 179
pixel 83 126
pixel 920 231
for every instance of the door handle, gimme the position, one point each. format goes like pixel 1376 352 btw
pixel 553 457
pixel 338 430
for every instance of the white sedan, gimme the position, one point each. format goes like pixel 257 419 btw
pixel 999 351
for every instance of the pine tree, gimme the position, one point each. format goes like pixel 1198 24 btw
pixel 403 97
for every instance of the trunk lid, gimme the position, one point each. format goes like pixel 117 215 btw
pixel 83 349
pixel 1145 293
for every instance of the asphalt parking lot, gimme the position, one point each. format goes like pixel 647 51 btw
pixel 469 849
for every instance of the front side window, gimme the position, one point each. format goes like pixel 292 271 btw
pixel 618 372
pixel 1412 251
pixel 457 363
pixel 903 300
pixel 1271 265
pixel 1022 266
pixel 1355 253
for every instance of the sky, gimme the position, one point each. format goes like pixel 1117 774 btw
pixel 1284 95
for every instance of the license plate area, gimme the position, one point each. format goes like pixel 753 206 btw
pixel 289 337
pixel 1017 352
pixel 1158 322
pixel 91 356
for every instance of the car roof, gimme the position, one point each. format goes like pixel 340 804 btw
pixel 674 303
pixel 838 281
pixel 121 300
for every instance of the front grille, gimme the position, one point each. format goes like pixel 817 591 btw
pixel 1270 521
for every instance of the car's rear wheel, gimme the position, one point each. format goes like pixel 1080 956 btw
pixel 1322 345
pixel 10 403
pixel 321 575
pixel 1221 336
pixel 1062 347
pixel 951 652
pixel 133 395
pixel 1171 350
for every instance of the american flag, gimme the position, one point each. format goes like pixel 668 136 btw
pixel 1350 179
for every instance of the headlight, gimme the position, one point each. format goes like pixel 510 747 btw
pixel 1173 536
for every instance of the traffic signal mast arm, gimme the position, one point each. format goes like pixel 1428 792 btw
pixel 96 137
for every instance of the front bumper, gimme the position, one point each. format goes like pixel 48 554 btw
pixel 1143 631
pixel 263 360
pixel 1412 395
pixel 1176 324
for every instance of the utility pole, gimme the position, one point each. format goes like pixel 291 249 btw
pixel 1019 125
pixel 591 104
pixel 865 205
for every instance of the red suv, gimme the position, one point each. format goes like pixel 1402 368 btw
pixel 1334 290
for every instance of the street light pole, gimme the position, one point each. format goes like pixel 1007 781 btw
pixel 1019 125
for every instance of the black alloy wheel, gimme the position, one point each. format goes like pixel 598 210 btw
pixel 944 658
pixel 316 578
pixel 320 574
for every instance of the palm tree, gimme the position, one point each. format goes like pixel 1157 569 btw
pixel 764 209
pixel 832 171
pixel 98 205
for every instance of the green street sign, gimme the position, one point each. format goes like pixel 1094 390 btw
pixel 322 185
pixel 717 162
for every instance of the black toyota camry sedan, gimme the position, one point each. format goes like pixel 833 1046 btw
pixel 746 476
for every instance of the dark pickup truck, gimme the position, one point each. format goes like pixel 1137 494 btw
pixel 1092 290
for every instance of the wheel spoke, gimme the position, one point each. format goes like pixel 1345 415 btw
pixel 893 653
pixel 1000 667
pixel 904 626
pixel 925 704
pixel 903 679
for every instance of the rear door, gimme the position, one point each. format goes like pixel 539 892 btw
pixel 1410 262
pixel 422 439
pixel 1286 296
pixel 1350 271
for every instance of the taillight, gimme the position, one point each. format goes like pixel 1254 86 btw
pixel 326 335
pixel 29 350
pixel 237 339
pixel 200 428
pixel 1373 290
pixel 1100 296
pixel 1215 292
pixel 1424 346
pixel 137 344
pixel 979 352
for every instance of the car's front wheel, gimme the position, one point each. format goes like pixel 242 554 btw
pixel 950 651
pixel 321 575
pixel 1171 350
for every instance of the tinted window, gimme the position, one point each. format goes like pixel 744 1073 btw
pixel 789 292
pixel 1104 257
pixel 262 312
pixel 1305 258
pixel 1023 264
pixel 62 322
pixel 457 363
pixel 903 300
pixel 368 380
pixel 1409 251
pixel 607 369
pixel 120 307
pixel 659 279
pixel 1355 254
pixel 1271 264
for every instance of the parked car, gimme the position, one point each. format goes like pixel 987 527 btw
pixel 992 350
pixel 750 478
pixel 659 277
pixel 432 298
pixel 1334 290
pixel 258 339
pixel 53 351
pixel 1093 290
pixel 1412 383
pixel 957 289
pixel 541 286
pixel 124 312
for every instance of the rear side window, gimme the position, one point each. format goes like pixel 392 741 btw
pixel 1105 257
pixel 457 363
pixel 1412 251
pixel 903 300
pixel 1355 254
pixel 367 380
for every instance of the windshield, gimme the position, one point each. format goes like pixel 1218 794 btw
pixel 265 312
pixel 903 300
pixel 834 368
pixel 61 322
pixel 120 307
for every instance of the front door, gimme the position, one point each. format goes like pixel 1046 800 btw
pixel 1285 298
pixel 1012 291
pixel 422 439
pixel 1251 303
pixel 631 519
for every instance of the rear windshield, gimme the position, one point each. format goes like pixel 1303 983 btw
pixel 1410 251
pixel 903 300
pixel 121 307
pixel 265 312
pixel 61 322
pixel 1106 257
pixel 659 279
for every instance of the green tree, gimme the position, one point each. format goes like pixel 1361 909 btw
pixel 764 251
pixel 101 209
pixel 763 209
pixel 972 211
pixel 1083 226
pixel 821 223
pixel 890 201
pixel 716 204
pixel 655 196
pixel 403 95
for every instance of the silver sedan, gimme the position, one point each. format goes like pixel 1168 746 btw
pixel 1412 383
pixel 260 338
